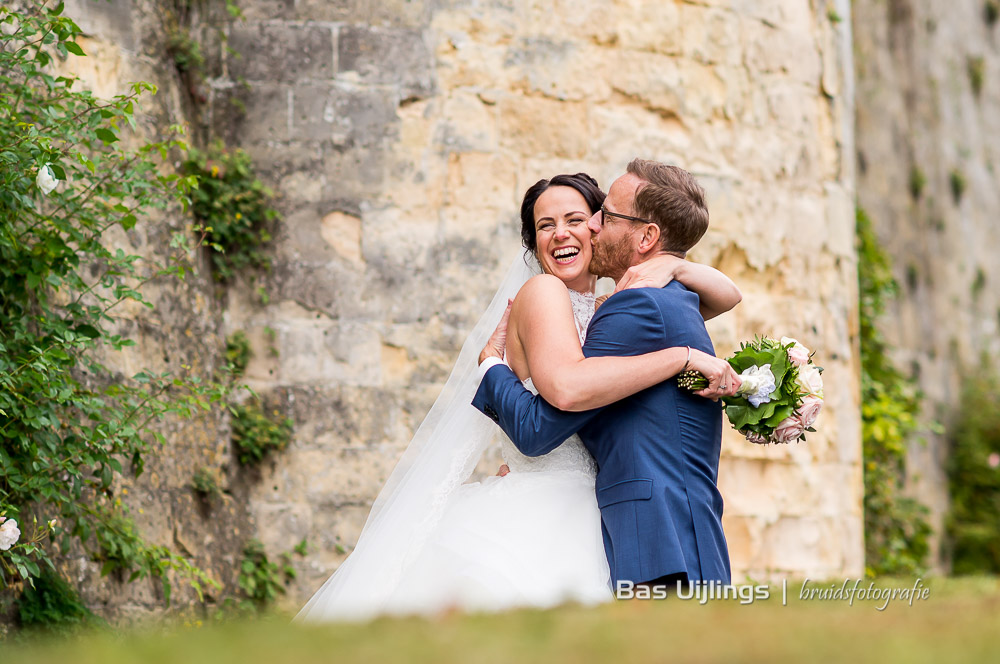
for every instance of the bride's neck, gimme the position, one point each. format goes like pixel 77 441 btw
pixel 583 285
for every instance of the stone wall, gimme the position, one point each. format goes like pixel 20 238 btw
pixel 125 41
pixel 920 119
pixel 400 136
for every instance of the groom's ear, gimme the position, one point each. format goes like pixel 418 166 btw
pixel 649 239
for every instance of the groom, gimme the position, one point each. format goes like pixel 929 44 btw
pixel 658 451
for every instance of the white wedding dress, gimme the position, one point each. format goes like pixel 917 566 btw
pixel 529 539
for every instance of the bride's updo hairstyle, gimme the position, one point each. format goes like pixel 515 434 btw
pixel 583 183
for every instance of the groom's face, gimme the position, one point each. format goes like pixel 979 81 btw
pixel 613 238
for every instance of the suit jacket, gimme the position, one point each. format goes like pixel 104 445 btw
pixel 657 451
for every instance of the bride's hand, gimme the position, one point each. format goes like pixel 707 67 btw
pixel 657 272
pixel 723 381
pixel 497 342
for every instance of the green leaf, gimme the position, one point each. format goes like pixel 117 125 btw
pixel 74 48
pixel 106 135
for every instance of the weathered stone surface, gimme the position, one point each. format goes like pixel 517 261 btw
pixel 111 20
pixel 400 137
pixel 365 51
pixel 281 52
pixel 918 115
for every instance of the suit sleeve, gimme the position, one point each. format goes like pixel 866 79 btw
pixel 533 425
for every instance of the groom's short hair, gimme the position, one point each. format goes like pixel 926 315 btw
pixel 673 200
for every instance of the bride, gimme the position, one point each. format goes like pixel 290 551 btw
pixel 531 537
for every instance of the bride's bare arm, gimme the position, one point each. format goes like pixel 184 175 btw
pixel 717 292
pixel 543 343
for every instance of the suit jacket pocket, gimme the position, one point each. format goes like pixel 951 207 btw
pixel 619 492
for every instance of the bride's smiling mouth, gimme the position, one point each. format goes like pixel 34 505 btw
pixel 565 255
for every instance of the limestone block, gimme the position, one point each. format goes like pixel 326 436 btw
pixel 394 238
pixel 467 124
pixel 559 68
pixel 387 56
pixel 312 112
pixel 808 546
pixel 350 176
pixel 319 352
pixel 343 232
pixel 650 27
pixel 310 10
pixel 479 180
pixel 330 288
pixel 110 20
pixel 792 53
pixel 400 13
pixel 362 117
pixel 248 116
pixel 532 126
pixel 616 130
pixel 281 525
pixel 652 79
pixel 281 52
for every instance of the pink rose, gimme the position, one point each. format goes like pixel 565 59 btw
pixel 790 429
pixel 797 354
pixel 809 411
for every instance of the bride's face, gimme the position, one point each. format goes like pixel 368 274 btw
pixel 564 248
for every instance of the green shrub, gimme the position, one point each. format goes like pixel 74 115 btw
pixel 232 207
pixel 958 183
pixel 976 68
pixel 992 12
pixel 917 182
pixel 205 482
pixel 974 477
pixel 186 53
pixel 260 579
pixel 255 434
pixel 896 528
pixel 70 426
pixel 50 603
pixel 238 352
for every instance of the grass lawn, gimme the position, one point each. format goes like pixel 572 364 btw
pixel 959 621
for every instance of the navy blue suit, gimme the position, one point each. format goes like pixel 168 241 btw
pixel 657 451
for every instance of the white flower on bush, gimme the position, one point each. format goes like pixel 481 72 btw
pixel 758 383
pixel 9 533
pixel 797 354
pixel 46 179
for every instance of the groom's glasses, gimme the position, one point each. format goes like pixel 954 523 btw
pixel 605 212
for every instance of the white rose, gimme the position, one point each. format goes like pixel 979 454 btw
pixel 798 354
pixel 46 179
pixel 810 380
pixel 9 534
pixel 757 385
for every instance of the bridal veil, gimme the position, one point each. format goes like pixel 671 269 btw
pixel 441 456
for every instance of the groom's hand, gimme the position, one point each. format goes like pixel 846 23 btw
pixel 656 272
pixel 723 381
pixel 497 342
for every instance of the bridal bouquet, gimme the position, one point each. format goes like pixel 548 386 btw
pixel 781 394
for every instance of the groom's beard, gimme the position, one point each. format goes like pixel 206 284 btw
pixel 611 259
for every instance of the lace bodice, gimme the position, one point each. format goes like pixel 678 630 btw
pixel 571 455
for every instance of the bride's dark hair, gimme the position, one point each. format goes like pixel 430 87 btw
pixel 583 183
